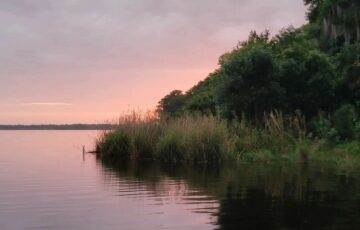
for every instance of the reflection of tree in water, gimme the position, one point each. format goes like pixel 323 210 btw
pixel 254 196
pixel 162 184
pixel 258 210
pixel 283 197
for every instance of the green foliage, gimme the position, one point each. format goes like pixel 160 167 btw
pixel 286 73
pixel 345 119
pixel 323 127
pixel 347 61
pixel 208 140
pixel 191 138
pixel 201 98
pixel 344 156
pixel 172 104
pixel 250 78
pixel 341 21
pixel 357 130
pixel 313 71
pixel 308 78
pixel 169 149
pixel 143 146
pixel 134 137
pixel 115 146
pixel 199 139
pixel 314 9
pixel 342 125
pixel 290 72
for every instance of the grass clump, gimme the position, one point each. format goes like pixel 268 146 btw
pixel 205 139
pixel 199 139
pixel 169 148
pixel 344 156
pixel 141 132
pixel 191 138
pixel 114 146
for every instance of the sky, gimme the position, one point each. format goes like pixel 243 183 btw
pixel 88 61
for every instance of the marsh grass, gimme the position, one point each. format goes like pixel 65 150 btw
pixel 208 139
pixel 276 137
pixel 199 139
pixel 192 138
pixel 141 132
pixel 345 156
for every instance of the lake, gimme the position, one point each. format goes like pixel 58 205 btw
pixel 46 182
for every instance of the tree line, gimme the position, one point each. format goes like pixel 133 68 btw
pixel 313 70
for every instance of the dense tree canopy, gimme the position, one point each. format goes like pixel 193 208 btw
pixel 340 19
pixel 314 9
pixel 313 69
pixel 172 104
pixel 250 78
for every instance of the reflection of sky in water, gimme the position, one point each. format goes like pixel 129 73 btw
pixel 105 57
pixel 45 183
pixel 165 203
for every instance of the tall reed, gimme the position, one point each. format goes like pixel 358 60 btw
pixel 193 138
pixel 197 139
pixel 201 138
pixel 137 131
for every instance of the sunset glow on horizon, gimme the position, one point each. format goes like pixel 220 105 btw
pixel 88 61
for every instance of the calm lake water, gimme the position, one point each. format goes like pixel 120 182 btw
pixel 47 183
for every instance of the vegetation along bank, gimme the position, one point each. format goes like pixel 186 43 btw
pixel 294 96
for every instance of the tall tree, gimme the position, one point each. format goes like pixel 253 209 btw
pixel 314 9
pixel 251 83
pixel 172 104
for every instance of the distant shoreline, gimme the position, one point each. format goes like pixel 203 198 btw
pixel 59 127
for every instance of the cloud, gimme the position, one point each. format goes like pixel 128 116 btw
pixel 50 35
pixel 46 104
pixel 115 54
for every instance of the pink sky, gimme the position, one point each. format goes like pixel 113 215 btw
pixel 88 61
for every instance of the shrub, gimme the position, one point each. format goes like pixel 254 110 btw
pixel 145 136
pixel 357 131
pixel 169 149
pixel 143 147
pixel 341 126
pixel 196 139
pixel 344 121
pixel 115 146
